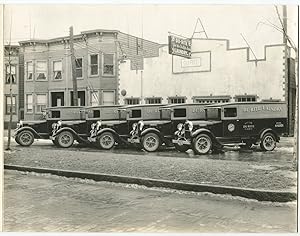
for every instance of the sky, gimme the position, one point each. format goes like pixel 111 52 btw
pixel 151 21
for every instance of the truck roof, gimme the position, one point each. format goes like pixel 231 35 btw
pixel 243 103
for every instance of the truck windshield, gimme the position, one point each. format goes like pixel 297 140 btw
pixel 122 114
pixel 213 113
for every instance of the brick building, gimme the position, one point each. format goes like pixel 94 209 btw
pixel 47 68
pixel 12 71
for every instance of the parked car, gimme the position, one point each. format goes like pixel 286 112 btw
pixel 152 133
pixel 27 131
pixel 84 131
pixel 240 124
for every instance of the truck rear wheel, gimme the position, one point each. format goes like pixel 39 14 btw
pixel 202 144
pixel 268 142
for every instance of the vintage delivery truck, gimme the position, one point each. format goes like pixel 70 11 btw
pixel 27 131
pixel 159 130
pixel 84 131
pixel 242 124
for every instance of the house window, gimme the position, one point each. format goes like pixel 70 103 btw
pixel 41 102
pixel 108 64
pixel 29 70
pixel 153 100
pixel 10 104
pixel 29 103
pixel 57 70
pixel 78 63
pixel 211 99
pixel 94 98
pixel 93 64
pixel 81 98
pixel 246 98
pixel 41 70
pixel 108 97
pixel 176 99
pixel 131 101
pixel 10 73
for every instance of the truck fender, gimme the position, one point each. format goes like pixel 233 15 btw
pixel 77 137
pixel 35 134
pixel 216 143
pixel 153 130
pixel 101 131
pixel 264 131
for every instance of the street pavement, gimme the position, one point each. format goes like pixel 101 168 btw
pixel 245 169
pixel 34 202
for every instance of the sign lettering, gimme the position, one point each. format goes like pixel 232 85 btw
pixel 191 62
pixel 180 47
pixel 198 110
pixel 262 108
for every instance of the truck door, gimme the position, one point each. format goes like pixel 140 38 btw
pixel 230 122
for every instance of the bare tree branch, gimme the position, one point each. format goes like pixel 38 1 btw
pixel 284 31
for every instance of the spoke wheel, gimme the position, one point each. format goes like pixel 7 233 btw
pixel 65 139
pixel 150 142
pixel 202 144
pixel 181 148
pixel 268 142
pixel 25 138
pixel 106 140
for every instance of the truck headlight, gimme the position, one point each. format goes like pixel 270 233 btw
pixel 134 125
pixel 19 124
pixel 98 124
pixel 190 125
pixel 141 124
pixel 53 125
pixel 179 126
pixel 93 125
pixel 59 123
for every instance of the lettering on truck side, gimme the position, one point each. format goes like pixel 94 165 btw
pixel 262 108
pixel 198 110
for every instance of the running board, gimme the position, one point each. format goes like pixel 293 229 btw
pixel 233 144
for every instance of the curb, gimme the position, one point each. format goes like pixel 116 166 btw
pixel 261 195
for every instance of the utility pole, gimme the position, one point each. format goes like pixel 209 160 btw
pixel 10 90
pixel 11 99
pixel 73 63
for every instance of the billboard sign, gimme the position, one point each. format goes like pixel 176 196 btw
pixel 180 47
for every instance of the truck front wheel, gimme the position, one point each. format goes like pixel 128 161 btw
pixel 150 142
pixel 202 144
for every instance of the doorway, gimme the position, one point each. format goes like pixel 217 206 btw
pixel 57 99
